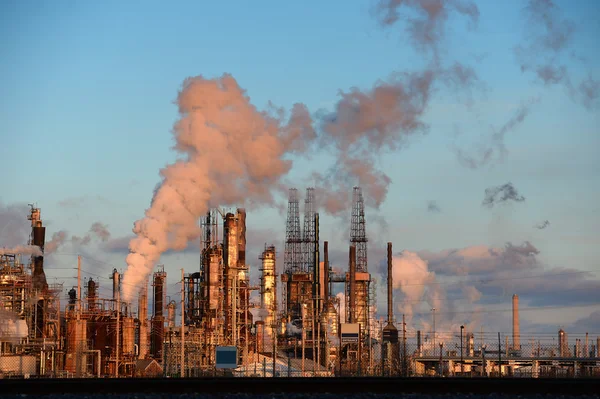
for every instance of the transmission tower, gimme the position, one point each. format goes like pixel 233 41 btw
pixel 358 235
pixel 309 234
pixel 292 260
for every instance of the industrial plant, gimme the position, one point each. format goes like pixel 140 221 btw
pixel 309 320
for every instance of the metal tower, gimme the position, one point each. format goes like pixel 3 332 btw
pixel 309 233
pixel 358 235
pixel 292 260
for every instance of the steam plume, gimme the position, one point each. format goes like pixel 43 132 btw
pixel 23 250
pixel 499 194
pixel 231 153
pixel 542 225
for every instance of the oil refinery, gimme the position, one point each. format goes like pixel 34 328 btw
pixel 299 326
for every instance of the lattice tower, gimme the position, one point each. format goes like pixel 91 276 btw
pixel 309 233
pixel 358 235
pixel 293 239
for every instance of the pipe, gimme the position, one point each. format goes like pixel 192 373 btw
pixel 326 269
pixel 317 268
pixel 352 304
pixel 515 313
pixel 390 284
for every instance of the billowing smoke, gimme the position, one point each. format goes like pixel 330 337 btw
pixel 413 278
pixel 366 124
pixel 12 328
pixel 547 44
pixel 500 194
pixel 433 207
pixel 23 250
pixel 231 154
pixel 542 225
pixel 58 239
pixel 14 228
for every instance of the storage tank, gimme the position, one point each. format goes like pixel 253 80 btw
pixel 268 289
pixel 128 335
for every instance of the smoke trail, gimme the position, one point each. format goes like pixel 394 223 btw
pixel 14 229
pixel 100 230
pixel 495 150
pixel 231 153
pixel 548 39
pixel 433 207
pixel 425 19
pixel 23 250
pixel 542 225
pixel 499 194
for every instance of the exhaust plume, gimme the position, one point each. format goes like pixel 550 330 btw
pixel 433 207
pixel 499 194
pixel 426 19
pixel 495 150
pixel 231 154
pixel 548 41
pixel 23 250
pixel 542 225
pixel 56 241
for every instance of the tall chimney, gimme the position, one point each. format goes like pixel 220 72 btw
pixel 516 335
pixel 352 304
pixel 326 268
pixel 390 304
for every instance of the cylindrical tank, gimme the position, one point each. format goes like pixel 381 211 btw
pixel 76 335
pixel 260 336
pixel 171 311
pixel 213 280
pixel 91 294
pixel 268 292
pixel 128 335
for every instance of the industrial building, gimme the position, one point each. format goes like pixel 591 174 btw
pixel 296 328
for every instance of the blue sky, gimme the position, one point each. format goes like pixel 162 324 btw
pixel 87 107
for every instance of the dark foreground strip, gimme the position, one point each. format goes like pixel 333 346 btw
pixel 221 386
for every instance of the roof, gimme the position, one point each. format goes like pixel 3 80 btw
pixel 143 364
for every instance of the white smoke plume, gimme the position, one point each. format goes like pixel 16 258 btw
pixel 231 154
pixel 23 250
pixel 414 280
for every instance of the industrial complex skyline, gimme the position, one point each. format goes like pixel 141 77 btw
pixel 471 128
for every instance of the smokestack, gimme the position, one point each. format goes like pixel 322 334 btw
pixel 389 284
pixel 91 295
pixel 326 268
pixel 515 323
pixel 38 238
pixel 352 304
pixel 116 278
pixel 317 267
